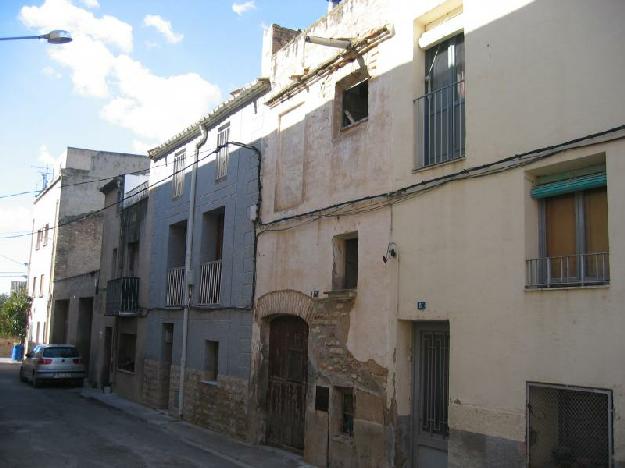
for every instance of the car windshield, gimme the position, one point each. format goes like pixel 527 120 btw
pixel 60 352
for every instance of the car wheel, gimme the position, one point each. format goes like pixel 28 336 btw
pixel 22 377
pixel 36 382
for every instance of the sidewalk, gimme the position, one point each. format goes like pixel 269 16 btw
pixel 239 453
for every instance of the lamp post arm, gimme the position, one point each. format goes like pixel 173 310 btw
pixel 20 37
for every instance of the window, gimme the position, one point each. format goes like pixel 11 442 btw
pixel 41 286
pixel 37 337
pixel 211 250
pixel 43 337
pixel 345 271
pixel 322 398
pixel 126 352
pixel 211 360
pixel 34 286
pixel 178 174
pixel 114 264
pixel 440 111
pixel 573 232
pixel 355 104
pixel 569 426
pixel 38 242
pixel 222 155
pixel 46 231
pixel 347 410
pixel 133 257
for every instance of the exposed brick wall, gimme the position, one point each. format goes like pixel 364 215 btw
pixel 220 406
pixel 155 379
pixel 331 365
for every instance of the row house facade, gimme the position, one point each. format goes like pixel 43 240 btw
pixel 65 250
pixel 439 261
pixel 179 268
pixel 400 247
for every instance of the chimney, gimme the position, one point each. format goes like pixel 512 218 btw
pixel 275 37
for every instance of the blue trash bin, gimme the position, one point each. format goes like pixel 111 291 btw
pixel 18 352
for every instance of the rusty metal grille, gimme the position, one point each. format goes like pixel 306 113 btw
pixel 435 381
pixel 569 427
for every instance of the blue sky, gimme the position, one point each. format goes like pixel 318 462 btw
pixel 136 72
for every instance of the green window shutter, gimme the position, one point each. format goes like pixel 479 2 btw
pixel 575 184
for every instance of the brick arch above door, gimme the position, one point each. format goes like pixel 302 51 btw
pixel 284 302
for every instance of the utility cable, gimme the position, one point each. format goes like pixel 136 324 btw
pixel 132 195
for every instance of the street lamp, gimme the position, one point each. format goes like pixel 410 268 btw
pixel 58 36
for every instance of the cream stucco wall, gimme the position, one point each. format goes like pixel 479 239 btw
pixel 537 74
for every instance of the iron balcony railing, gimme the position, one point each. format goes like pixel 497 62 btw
pixel 568 270
pixel 210 283
pixel 175 287
pixel 122 296
pixel 440 125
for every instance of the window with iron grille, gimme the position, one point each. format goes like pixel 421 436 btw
pixel 347 410
pixel 440 112
pixel 569 426
pixel 178 174
pixel 222 155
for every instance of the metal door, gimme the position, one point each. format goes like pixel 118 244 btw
pixel 430 394
pixel 288 369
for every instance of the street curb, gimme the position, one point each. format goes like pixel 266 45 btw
pixel 178 427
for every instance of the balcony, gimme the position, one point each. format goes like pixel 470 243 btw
pixel 570 270
pixel 440 125
pixel 210 283
pixel 122 296
pixel 175 287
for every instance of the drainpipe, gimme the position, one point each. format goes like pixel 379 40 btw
pixel 188 273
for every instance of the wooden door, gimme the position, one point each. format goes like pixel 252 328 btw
pixel 288 370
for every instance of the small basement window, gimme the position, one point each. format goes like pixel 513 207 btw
pixel 569 426
pixel 355 105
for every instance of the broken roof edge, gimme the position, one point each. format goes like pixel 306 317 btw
pixel 359 47
pixel 245 96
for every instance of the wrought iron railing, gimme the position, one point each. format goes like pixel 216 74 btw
pixel 210 283
pixel 175 287
pixel 568 270
pixel 122 296
pixel 440 125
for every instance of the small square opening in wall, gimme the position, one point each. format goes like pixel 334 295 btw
pixel 322 399
pixel 211 360
pixel 355 105
pixel 345 268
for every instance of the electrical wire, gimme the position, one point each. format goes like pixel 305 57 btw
pixel 141 171
pixel 147 188
pixel 411 191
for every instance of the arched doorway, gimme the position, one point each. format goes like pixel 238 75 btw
pixel 288 371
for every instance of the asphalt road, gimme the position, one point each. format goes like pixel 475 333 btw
pixel 54 427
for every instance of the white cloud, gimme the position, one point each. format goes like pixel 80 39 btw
pixel 62 14
pixel 47 159
pixel 51 72
pixel 164 27
pixel 240 8
pixel 90 3
pixel 153 107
